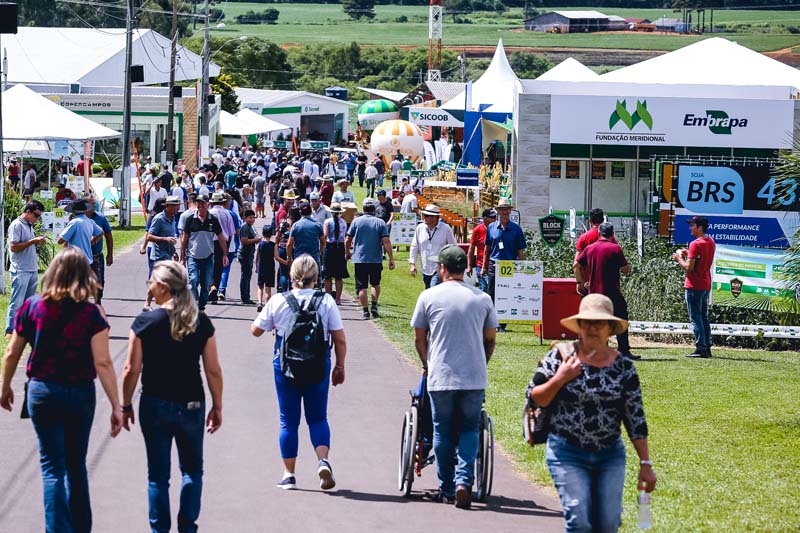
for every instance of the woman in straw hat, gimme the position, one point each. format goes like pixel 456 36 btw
pixel 334 260
pixel 591 389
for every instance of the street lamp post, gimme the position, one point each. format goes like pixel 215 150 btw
pixel 204 143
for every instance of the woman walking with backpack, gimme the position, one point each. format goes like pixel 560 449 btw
pixel 303 387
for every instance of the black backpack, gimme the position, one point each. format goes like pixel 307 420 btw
pixel 304 351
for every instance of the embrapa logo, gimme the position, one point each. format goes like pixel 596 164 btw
pixel 640 114
pixel 718 122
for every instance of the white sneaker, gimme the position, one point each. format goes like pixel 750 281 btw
pixel 326 480
pixel 287 483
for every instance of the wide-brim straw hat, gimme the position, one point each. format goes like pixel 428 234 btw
pixel 503 203
pixel 336 208
pixel 343 180
pixel 289 194
pixel 595 307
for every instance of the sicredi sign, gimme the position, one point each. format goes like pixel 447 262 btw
pixel 429 116
pixel 658 121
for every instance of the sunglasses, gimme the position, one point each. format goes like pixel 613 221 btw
pixel 37 215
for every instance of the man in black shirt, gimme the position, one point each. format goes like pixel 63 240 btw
pixel 385 208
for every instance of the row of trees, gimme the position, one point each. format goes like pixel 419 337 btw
pixel 262 64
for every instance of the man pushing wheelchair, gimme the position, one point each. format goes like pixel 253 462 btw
pixel 454 327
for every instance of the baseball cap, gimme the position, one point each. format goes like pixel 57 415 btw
pixel 77 206
pixel 314 196
pixel 368 202
pixel 202 198
pixel 453 258
pixel 489 213
pixel 606 229
pixel 698 220
pixel 381 193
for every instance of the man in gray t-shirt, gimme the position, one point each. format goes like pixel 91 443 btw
pixel 22 243
pixel 368 235
pixel 454 330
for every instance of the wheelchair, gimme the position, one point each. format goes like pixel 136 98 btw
pixel 416 445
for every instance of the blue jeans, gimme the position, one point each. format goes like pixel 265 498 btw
pixel 283 272
pixel 430 280
pixel 697 305
pixel 315 404
pixel 162 421
pixel 483 281
pixel 62 416
pixel 226 271
pixel 247 274
pixel 447 407
pixel 23 286
pixel 589 484
pixel 200 276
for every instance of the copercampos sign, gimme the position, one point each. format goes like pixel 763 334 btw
pixel 659 121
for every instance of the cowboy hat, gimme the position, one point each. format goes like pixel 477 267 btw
pixel 595 307
pixel 289 194
pixel 343 180
pixel 77 206
pixel 218 197
pixel 336 207
pixel 431 209
pixel 503 203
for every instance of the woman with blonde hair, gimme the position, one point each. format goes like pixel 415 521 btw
pixel 278 315
pixel 68 335
pixel 165 347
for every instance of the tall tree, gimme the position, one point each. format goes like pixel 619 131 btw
pixel 358 9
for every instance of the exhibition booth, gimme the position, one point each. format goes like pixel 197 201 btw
pixel 629 141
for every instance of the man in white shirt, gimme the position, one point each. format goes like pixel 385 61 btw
pixel 409 204
pixel 343 195
pixel 430 236
pixel 394 167
pixel 156 192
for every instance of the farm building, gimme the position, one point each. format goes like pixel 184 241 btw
pixel 617 23
pixel 569 22
pixel 673 25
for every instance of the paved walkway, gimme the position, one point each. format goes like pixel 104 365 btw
pixel 242 461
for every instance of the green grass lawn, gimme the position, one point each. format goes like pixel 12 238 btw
pixel 331 25
pixel 724 432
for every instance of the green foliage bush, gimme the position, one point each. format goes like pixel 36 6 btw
pixel 654 290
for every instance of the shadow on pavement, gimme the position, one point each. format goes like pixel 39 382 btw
pixel 502 504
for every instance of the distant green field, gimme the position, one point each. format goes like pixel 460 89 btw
pixel 329 24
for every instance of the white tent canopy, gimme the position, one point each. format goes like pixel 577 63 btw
pixel 714 61
pixel 231 125
pixel 497 86
pixel 28 115
pixel 570 70
pixel 260 123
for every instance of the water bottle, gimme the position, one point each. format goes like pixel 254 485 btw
pixel 645 518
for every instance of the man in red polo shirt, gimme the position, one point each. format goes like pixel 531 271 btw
pixel 697 261
pixel 597 269
pixel 596 217
pixel 477 244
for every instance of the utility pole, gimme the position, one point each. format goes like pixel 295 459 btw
pixel 204 119
pixel 9 12
pixel 125 190
pixel 170 145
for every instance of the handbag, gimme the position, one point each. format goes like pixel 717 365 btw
pixel 536 420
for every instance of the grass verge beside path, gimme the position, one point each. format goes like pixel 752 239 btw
pixel 724 432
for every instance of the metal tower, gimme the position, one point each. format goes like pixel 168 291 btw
pixel 435 41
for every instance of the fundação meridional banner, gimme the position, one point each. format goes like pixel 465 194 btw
pixel 658 121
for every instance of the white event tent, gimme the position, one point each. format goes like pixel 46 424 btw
pixel 232 126
pixel 713 61
pixel 261 123
pixel 496 87
pixel 570 70
pixel 28 115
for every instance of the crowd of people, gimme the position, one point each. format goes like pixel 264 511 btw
pixel 200 222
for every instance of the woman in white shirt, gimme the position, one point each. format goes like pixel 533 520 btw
pixel 277 315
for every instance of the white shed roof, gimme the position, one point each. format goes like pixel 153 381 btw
pixel 94 57
pixel 714 61
pixel 582 14
pixel 273 98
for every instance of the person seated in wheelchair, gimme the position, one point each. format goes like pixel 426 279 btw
pixel 454 329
